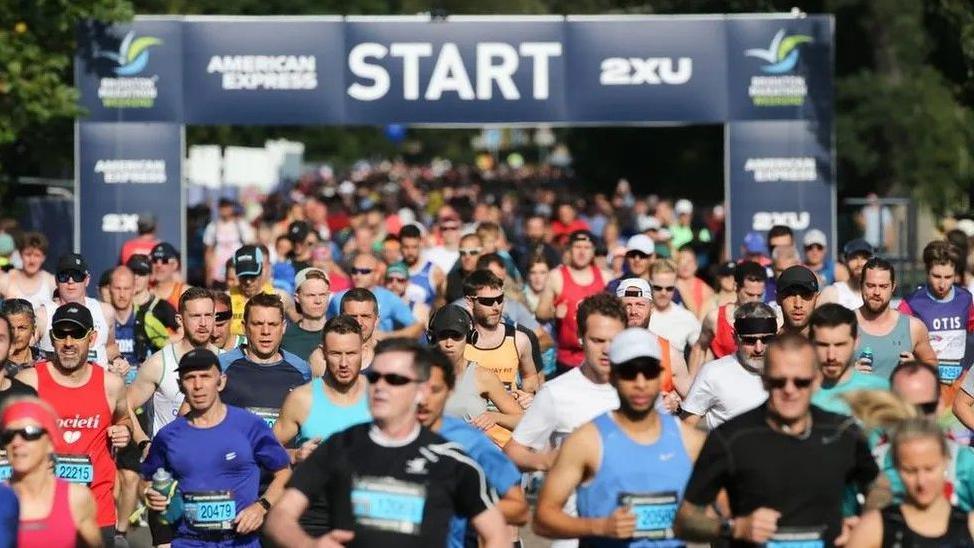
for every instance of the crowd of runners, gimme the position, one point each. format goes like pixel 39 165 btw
pixel 413 358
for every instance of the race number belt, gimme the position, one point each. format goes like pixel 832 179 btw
pixel 269 414
pixel 210 510
pixel 5 470
pixel 949 371
pixel 388 504
pixel 654 513
pixel 797 537
pixel 74 468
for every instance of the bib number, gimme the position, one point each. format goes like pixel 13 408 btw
pixel 268 414
pixel 654 513
pixel 210 511
pixel 74 468
pixel 5 470
pixel 389 504
pixel 949 372
pixel 797 537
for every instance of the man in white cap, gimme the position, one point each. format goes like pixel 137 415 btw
pixel 640 252
pixel 816 257
pixel 670 320
pixel 622 497
pixel 682 230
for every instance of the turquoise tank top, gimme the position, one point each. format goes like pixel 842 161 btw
pixel 325 417
pixel 886 348
pixel 647 478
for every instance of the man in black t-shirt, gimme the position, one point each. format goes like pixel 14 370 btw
pixel 784 465
pixel 390 482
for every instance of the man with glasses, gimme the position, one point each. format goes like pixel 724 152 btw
pixel 640 254
pixel 796 294
pixel 567 286
pixel 222 314
pixel 311 294
pixel 629 466
pixel 397 280
pixel 499 347
pixel 471 247
pixel 784 465
pixel 426 275
pixel 91 408
pixel 72 280
pixel 670 320
pixel 166 278
pixel 729 386
pixel 249 267
pixel 390 482
pixel 395 318
pixel 447 253
pixel 717 330
pixel 815 245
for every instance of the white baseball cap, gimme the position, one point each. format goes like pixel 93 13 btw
pixel 642 243
pixel 634 287
pixel 814 237
pixel 635 342
pixel 683 206
pixel 302 276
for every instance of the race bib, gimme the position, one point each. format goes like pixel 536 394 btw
pixel 949 372
pixel 269 414
pixel 654 513
pixel 74 468
pixel 797 537
pixel 210 510
pixel 389 504
pixel 5 470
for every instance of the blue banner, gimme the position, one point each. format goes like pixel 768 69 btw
pixel 779 173
pixel 125 170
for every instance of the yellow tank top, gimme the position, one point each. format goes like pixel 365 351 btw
pixel 237 302
pixel 501 360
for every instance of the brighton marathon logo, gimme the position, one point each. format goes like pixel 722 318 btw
pixel 128 90
pixel 266 72
pixel 779 88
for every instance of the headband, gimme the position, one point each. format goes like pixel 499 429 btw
pixel 34 411
pixel 755 326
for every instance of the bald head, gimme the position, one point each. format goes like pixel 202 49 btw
pixel 121 288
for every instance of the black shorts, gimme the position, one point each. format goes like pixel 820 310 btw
pixel 162 533
pixel 129 457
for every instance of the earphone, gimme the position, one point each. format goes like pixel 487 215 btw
pixel 472 335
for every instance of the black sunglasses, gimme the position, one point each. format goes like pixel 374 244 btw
pixel 392 379
pixel 28 433
pixel 754 339
pixel 62 333
pixel 224 316
pixel 490 301
pixel 362 271
pixel 778 383
pixel 928 407
pixel 636 255
pixel 628 371
pixel 667 288
pixel 75 276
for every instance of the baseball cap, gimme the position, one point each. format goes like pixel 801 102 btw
pixel 297 231
pixel 634 287
pixel 302 276
pixel 164 251
pixel 146 223
pixel 397 268
pixel 642 243
pixel 726 269
pixel 858 245
pixel 248 261
pixel 683 206
pixel 754 243
pixel 139 264
pixel 451 318
pixel 648 223
pixel 73 313
pixel 72 261
pixel 199 359
pixel 797 278
pixel 814 237
pixel 749 270
pixel 581 236
pixel 633 343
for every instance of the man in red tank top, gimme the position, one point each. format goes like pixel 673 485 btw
pixel 717 337
pixel 91 408
pixel 567 286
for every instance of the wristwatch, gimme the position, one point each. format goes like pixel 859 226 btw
pixel 727 529
pixel 265 503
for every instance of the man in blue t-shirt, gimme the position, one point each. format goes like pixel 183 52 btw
pixel 395 317
pixel 502 475
pixel 215 453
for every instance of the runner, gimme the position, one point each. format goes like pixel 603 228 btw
pixel 816 244
pixel 155 319
pixel 311 295
pixel 946 309
pixel 222 237
pixel 637 298
pixel 360 304
pixel 795 296
pixel 471 247
pixel 891 336
pixel 222 314
pixel 571 283
pixel 395 318
pixel 216 453
pixel 447 253
pixel 925 517
pixel 30 282
pixel 122 289
pixel 144 242
pixel 695 293
pixel 730 386
pixel 640 254
pixel 669 320
pixel 619 496
pixel 424 274
pixel 248 264
pixel 784 465
pixel 90 405
pixel 717 331
pixel 397 280
pixel 9 385
pixel 20 317
pixel 54 513
pixel 391 482
pixel 849 292
pixel 166 280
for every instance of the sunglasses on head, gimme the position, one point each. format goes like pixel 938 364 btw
pixel 224 316
pixel 470 252
pixel 62 333
pixel 361 271
pixel 490 301
pixel 75 276
pixel 778 383
pixel 392 379
pixel 754 339
pixel 28 433
pixel 666 288
pixel 628 371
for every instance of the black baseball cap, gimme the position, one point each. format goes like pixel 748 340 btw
pixel 451 318
pixel 297 231
pixel 798 279
pixel 749 270
pixel 139 264
pixel 199 359
pixel 581 236
pixel 726 269
pixel 72 261
pixel 164 251
pixel 248 261
pixel 859 245
pixel 73 313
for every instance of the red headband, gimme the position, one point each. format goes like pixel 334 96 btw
pixel 35 411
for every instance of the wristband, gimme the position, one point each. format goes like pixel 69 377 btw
pixel 265 504
pixel 143 444
pixel 726 529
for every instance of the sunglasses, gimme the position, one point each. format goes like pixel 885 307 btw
pixel 628 371
pixel 28 433
pixel 929 407
pixel 814 246
pixel 490 301
pixel 778 383
pixel 221 317
pixel 361 271
pixel 396 279
pixel 449 227
pixel 666 288
pixel 392 379
pixel 452 335
pixel 75 276
pixel 636 255
pixel 62 333
pixel 160 260
pixel 470 252
pixel 751 340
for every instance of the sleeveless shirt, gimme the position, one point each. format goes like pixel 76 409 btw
pixel 57 530
pixel 569 348
pixel 897 533
pixel 887 347
pixel 326 417
pixel 167 398
pixel 502 360
pixel 724 343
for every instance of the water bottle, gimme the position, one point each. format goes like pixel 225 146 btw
pixel 867 355
pixel 162 482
